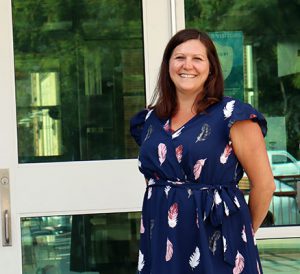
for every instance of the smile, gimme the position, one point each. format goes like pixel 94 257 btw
pixel 187 75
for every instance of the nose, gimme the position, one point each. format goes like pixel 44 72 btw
pixel 188 63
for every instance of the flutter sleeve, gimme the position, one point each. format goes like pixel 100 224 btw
pixel 235 110
pixel 136 125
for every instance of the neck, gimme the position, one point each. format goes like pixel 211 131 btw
pixel 186 103
pixel 186 107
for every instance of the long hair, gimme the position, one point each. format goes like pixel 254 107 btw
pixel 164 100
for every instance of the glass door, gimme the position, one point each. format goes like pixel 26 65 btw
pixel 72 74
pixel 261 66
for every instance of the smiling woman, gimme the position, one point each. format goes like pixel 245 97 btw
pixel 194 146
pixel 189 68
pixel 188 45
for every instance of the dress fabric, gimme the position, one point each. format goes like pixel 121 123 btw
pixel 194 217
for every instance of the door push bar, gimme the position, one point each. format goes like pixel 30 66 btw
pixel 5 207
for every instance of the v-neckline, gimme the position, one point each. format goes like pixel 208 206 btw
pixel 183 125
pixel 188 122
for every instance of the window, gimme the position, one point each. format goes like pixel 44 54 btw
pixel 261 66
pixel 79 78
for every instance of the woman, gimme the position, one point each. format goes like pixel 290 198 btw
pixel 195 146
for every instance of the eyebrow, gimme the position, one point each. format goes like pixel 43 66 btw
pixel 198 54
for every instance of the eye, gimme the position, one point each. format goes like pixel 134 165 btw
pixel 179 57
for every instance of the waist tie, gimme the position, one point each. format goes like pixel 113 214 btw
pixel 215 203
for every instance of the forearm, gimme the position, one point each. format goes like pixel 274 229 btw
pixel 259 201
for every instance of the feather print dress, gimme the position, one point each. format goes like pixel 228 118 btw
pixel 194 217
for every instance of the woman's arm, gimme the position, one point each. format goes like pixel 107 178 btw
pixel 249 147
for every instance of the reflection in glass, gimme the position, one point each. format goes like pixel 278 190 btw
pixel 40 120
pixel 108 244
pixel 96 243
pixel 270 81
pixel 280 255
pixel 79 75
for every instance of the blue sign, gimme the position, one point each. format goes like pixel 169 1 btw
pixel 229 46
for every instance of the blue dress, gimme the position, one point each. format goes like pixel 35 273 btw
pixel 194 217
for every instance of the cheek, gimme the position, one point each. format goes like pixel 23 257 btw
pixel 172 69
pixel 174 65
pixel 206 73
pixel 205 77
pixel 204 70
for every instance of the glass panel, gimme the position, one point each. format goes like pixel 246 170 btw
pixel 261 66
pixel 280 255
pixel 96 243
pixel 79 78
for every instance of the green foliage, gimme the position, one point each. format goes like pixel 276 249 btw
pixel 264 23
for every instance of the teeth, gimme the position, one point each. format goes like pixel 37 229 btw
pixel 187 75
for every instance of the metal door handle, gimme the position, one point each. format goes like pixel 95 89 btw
pixel 6 227
pixel 5 207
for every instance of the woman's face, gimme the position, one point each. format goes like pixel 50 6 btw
pixel 189 67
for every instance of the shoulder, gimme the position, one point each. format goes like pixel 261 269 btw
pixel 225 102
pixel 235 110
pixel 137 123
pixel 230 102
pixel 140 116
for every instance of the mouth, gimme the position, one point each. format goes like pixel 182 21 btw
pixel 184 75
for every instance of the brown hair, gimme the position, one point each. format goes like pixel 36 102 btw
pixel 164 100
